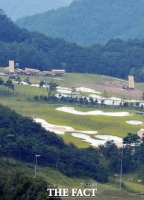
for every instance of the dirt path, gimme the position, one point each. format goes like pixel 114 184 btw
pixel 115 87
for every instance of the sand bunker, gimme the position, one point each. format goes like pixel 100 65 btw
pixel 54 128
pixel 113 100
pixel 64 90
pixel 95 142
pixel 80 134
pixel 83 89
pixel 88 139
pixel 58 129
pixel 95 112
pixel 134 122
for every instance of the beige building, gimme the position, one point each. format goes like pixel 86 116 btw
pixel 11 66
pixel 131 82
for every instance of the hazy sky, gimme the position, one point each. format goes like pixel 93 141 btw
pixel 19 8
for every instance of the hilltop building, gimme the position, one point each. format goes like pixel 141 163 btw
pixel 131 82
pixel 10 69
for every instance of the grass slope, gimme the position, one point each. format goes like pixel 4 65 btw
pixel 105 191
pixel 103 124
pixel 21 100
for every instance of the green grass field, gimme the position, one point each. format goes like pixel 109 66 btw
pixel 21 100
pixel 105 125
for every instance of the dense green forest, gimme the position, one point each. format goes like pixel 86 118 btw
pixel 17 184
pixel 86 22
pixel 31 49
pixel 16 9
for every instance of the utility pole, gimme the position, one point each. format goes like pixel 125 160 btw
pixel 120 184
pixel 36 163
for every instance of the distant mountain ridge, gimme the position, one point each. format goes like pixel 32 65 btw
pixel 16 9
pixel 86 22
pixel 116 58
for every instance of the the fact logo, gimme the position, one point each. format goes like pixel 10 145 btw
pixel 75 192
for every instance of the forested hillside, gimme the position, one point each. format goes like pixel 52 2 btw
pixel 16 9
pixel 22 138
pixel 17 184
pixel 87 22
pixel 116 58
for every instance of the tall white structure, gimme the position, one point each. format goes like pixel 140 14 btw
pixel 11 66
pixel 131 82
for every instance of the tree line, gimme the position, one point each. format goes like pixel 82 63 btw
pixel 34 50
